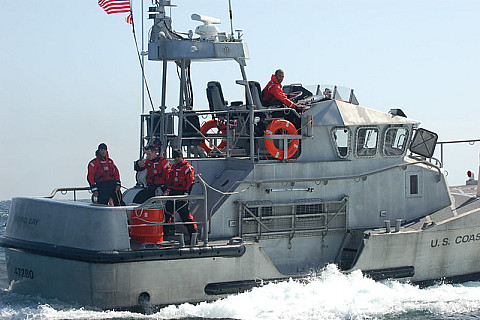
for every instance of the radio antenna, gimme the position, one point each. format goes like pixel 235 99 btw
pixel 231 16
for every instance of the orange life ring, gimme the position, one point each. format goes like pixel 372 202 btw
pixel 213 124
pixel 273 127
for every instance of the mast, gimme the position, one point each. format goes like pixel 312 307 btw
pixel 163 107
pixel 181 101
pixel 231 17
pixel 166 45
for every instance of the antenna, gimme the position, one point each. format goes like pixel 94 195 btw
pixel 231 16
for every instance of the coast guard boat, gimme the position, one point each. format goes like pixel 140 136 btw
pixel 274 199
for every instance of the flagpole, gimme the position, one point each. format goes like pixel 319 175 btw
pixel 143 84
pixel 143 63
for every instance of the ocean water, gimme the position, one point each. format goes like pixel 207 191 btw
pixel 326 295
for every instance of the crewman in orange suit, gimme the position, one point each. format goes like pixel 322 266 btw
pixel 104 178
pixel 158 169
pixel 273 93
pixel 180 182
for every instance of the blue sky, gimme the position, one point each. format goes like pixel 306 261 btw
pixel 70 77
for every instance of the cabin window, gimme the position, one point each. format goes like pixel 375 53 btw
pixel 341 141
pixel 395 141
pixel 366 142
pixel 413 184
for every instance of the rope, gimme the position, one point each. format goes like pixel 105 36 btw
pixel 146 221
pixel 140 60
pixel 306 124
pixel 219 191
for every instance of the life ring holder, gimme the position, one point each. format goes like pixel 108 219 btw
pixel 273 127
pixel 211 124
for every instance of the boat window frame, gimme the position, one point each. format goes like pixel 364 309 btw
pixel 376 128
pixel 405 144
pixel 414 184
pixel 334 141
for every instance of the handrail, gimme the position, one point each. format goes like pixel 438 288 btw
pixel 355 177
pixel 204 137
pixel 471 141
pixel 248 113
pixel 441 143
pixel 184 198
pixel 67 189
pixel 167 198
pixel 155 199
pixel 438 163
pixel 326 179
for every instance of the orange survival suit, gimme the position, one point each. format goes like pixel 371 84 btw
pixel 273 94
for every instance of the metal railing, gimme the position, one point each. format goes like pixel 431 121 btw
pixel 234 131
pixel 66 190
pixel 356 177
pixel 157 199
pixel 269 219
pixel 441 143
pixel 162 200
pixel 325 179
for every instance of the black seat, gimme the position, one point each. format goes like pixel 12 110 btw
pixel 216 102
pixel 256 92
pixel 191 127
pixel 192 124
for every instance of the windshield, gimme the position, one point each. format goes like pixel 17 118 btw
pixel 330 91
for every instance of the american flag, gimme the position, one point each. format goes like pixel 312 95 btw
pixel 129 18
pixel 115 6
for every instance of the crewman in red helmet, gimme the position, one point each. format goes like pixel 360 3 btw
pixel 104 178
pixel 180 182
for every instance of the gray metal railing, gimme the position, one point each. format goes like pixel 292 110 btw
pixel 66 190
pixel 358 177
pixel 294 222
pixel 156 199
pixel 245 114
pixel 441 143
pixel 162 200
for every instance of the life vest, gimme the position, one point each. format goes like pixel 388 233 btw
pixel 100 170
pixel 181 177
pixel 157 170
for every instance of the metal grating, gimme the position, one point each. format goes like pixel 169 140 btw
pixel 263 219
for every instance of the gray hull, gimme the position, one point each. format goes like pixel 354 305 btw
pixel 444 245
pixel 119 285
pixel 441 245
pixel 82 254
